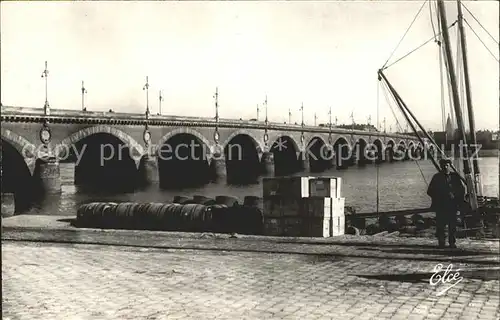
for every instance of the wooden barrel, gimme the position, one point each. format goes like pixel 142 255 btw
pixel 403 221
pixel 8 204
pixel 219 215
pixel 226 200
pixel 247 220
pixel 121 215
pixel 253 201
pixel 180 199
pixel 85 215
pixel 177 218
pixel 142 218
pixel 199 199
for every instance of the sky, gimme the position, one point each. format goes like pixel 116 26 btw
pixel 320 53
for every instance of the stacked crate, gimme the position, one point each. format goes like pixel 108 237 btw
pixel 283 204
pixel 303 207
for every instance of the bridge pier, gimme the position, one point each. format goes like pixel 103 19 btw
pixel 267 163
pixel 305 163
pixel 48 175
pixel 389 154
pixel 148 170
pixel 218 165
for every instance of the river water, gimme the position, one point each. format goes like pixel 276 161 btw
pixel 401 185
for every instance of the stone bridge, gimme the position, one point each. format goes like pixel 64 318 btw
pixel 129 149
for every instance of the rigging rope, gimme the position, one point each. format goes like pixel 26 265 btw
pixel 378 125
pixel 443 103
pixel 416 16
pixel 477 36
pixel 412 51
pixel 400 128
pixel 463 5
pixel 432 20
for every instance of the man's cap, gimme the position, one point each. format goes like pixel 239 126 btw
pixel 443 162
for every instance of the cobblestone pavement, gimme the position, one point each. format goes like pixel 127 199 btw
pixel 88 281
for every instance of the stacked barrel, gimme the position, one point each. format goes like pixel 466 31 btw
pixel 197 214
pixel 303 206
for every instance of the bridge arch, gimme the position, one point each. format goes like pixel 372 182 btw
pixel 286 152
pixel 18 161
pixel 186 158
pixel 359 151
pixel 22 145
pixel 122 136
pixel 342 150
pixel 242 154
pixel 184 130
pixel 259 146
pixel 316 137
pixel 377 146
pixel 320 153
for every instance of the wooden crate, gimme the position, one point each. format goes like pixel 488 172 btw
pixel 291 187
pixel 293 227
pixel 338 207
pixel 338 226
pixel 326 187
pixel 272 207
pixel 278 206
pixel 318 207
pixel 318 227
pixel 273 227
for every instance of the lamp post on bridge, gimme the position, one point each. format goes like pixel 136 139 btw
pixel 266 134
pixel 257 112
pixel 302 109
pixel 146 87
pixel 289 116
pixel 216 133
pixel 160 98
pixel 265 104
pixel 315 118
pixel 330 122
pixel 84 91
pixel 45 74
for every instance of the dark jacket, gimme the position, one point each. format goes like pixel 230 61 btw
pixel 446 196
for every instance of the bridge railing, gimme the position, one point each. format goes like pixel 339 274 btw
pixel 158 119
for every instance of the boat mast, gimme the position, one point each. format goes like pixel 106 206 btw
pixel 472 127
pixel 456 105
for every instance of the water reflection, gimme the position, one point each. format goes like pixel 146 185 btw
pixel 401 186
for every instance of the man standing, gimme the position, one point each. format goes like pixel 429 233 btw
pixel 447 193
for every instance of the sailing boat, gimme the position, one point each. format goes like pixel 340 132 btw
pixel 479 207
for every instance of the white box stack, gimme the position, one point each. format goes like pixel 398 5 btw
pixel 338 217
pixel 303 206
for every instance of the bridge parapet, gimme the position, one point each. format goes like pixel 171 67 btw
pixel 24 114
